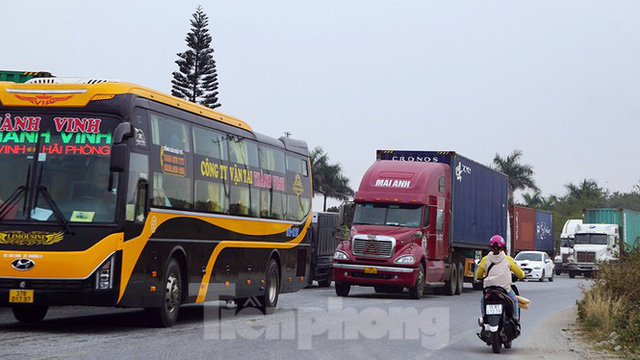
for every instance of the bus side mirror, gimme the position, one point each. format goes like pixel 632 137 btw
pixel 118 157
pixel 119 148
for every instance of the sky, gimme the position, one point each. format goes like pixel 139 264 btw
pixel 558 80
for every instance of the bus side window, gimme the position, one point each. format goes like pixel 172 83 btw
pixel 138 173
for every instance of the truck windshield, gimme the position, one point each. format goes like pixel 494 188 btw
pixel 56 161
pixel 388 214
pixel 597 239
pixel 564 242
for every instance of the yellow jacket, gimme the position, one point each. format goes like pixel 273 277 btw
pixel 481 272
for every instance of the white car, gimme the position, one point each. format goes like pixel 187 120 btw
pixel 536 265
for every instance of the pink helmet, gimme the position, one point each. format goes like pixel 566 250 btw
pixel 497 240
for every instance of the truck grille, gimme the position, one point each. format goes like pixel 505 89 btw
pixel 373 248
pixel 586 256
pixel 564 257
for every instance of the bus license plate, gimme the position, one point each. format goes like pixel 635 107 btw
pixel 495 309
pixel 21 296
pixel 370 270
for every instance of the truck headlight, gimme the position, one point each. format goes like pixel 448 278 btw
pixel 405 259
pixel 104 276
pixel 558 259
pixel 340 255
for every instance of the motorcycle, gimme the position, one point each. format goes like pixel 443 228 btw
pixel 498 324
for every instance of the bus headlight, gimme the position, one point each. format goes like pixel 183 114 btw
pixel 104 276
pixel 405 259
pixel 340 255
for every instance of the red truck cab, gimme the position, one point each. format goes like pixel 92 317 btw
pixel 400 229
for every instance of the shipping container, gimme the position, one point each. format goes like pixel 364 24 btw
pixel 22 76
pixel 523 228
pixel 544 231
pixel 479 196
pixel 627 220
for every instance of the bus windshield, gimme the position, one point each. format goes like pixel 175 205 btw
pixel 388 214
pixel 55 168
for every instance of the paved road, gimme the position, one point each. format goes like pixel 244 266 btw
pixel 314 324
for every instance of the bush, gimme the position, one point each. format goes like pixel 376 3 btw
pixel 612 303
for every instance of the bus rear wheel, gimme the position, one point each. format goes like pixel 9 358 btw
pixel 30 313
pixel 167 313
pixel 269 301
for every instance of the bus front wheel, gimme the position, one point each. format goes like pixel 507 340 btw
pixel 167 313
pixel 30 313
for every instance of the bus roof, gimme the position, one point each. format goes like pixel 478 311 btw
pixel 55 92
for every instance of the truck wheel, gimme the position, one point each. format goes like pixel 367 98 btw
pixel 572 274
pixel 460 279
pixel 30 313
pixel 415 292
pixel 325 282
pixel 451 285
pixel 342 289
pixel 542 276
pixel 269 301
pixel 558 272
pixel 166 314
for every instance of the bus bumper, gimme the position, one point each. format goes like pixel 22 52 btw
pixel 58 292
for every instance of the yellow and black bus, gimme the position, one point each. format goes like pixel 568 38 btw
pixel 113 194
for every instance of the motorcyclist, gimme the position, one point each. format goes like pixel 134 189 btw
pixel 496 269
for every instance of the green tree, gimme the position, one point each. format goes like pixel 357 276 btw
pixel 520 175
pixel 536 200
pixel 327 178
pixel 587 192
pixel 197 79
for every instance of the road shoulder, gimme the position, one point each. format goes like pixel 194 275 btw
pixel 558 336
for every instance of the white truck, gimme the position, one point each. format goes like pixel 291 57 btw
pixel 592 243
pixel 566 243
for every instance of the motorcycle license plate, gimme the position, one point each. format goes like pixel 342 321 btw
pixel 493 309
pixel 21 296
pixel 370 270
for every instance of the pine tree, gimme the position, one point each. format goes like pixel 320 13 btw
pixel 197 80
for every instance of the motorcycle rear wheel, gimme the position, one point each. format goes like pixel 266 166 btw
pixel 496 343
